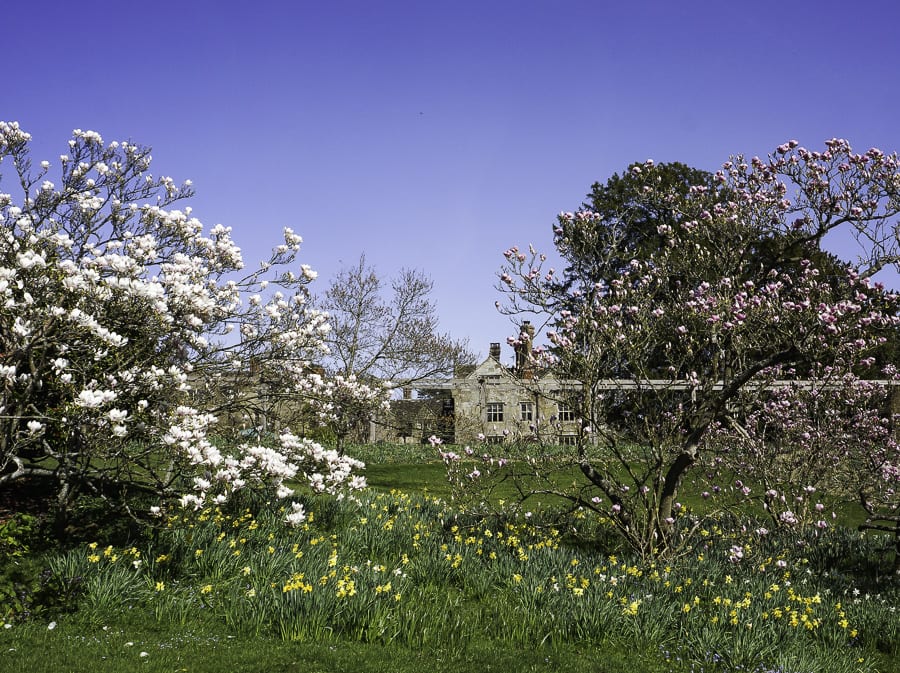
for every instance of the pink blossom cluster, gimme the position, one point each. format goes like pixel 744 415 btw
pixel 700 321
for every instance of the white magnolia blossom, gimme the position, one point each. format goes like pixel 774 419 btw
pixel 92 399
pixel 113 309
pixel 30 258
pixel 343 400
pixel 296 516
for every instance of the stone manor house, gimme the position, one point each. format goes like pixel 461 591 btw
pixel 490 399
pixel 507 403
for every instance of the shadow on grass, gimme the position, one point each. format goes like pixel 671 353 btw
pixel 72 646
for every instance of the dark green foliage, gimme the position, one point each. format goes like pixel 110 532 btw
pixel 15 534
pixel 628 224
pixel 27 588
pixel 18 575
pixel 632 210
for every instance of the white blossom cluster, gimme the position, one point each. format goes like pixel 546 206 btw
pixel 324 470
pixel 115 311
pixel 342 402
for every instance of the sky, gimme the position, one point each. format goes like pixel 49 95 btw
pixel 434 135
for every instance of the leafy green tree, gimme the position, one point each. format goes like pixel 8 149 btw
pixel 632 215
pixel 625 223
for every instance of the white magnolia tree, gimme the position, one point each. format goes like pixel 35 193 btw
pixel 114 307
pixel 344 404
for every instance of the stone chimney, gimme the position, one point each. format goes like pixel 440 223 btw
pixel 495 350
pixel 523 348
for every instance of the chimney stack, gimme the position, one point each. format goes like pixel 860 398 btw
pixel 528 328
pixel 495 350
pixel 523 347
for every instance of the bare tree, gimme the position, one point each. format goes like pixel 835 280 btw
pixel 388 331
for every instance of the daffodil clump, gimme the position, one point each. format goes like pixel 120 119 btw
pixel 393 568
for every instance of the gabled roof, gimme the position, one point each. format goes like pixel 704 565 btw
pixel 412 410
pixel 489 367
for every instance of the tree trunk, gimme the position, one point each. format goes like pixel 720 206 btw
pixel 672 481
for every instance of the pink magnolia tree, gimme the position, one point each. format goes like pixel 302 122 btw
pixel 686 301
pixel 805 444
pixel 116 311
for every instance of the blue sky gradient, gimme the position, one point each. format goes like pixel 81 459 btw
pixel 437 134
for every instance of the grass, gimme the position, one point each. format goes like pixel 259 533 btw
pixel 74 646
pixel 417 468
pixel 409 573
pixel 409 477
pixel 404 581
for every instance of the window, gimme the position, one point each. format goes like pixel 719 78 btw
pixel 526 411
pixel 565 412
pixel 495 412
pixel 567 440
pixel 493 439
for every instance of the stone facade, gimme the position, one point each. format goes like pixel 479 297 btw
pixel 511 403
pixel 413 421
pixel 493 400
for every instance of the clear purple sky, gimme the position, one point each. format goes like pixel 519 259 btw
pixel 437 134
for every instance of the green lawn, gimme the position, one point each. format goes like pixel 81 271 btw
pixel 75 647
pixel 402 582
pixel 410 477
